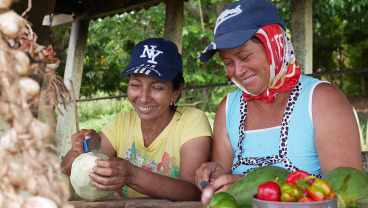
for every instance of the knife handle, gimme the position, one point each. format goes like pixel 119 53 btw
pixel 204 184
pixel 85 146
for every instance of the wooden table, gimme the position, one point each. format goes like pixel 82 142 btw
pixel 136 203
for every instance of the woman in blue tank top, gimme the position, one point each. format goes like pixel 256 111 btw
pixel 278 116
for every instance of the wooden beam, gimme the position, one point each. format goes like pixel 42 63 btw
pixel 73 71
pixel 302 33
pixel 57 20
pixel 174 22
pixel 112 7
pixel 64 12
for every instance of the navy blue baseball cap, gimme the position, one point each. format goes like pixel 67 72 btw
pixel 157 58
pixel 238 22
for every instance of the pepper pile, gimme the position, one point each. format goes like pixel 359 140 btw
pixel 299 187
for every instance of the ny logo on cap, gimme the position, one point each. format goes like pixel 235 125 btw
pixel 151 53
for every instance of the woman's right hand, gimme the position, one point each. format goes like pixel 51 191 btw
pixel 77 139
pixel 77 149
pixel 208 172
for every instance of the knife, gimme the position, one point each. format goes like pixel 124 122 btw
pixel 91 144
pixel 204 184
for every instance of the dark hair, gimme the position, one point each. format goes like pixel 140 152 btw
pixel 255 39
pixel 177 81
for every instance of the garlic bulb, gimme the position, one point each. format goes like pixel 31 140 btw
pixel 15 173
pixel 12 24
pixel 39 130
pixel 1 199
pixel 29 87
pixel 39 202
pixel 9 141
pixel 22 63
pixel 5 4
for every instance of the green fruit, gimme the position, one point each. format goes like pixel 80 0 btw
pixel 227 203
pixel 217 197
pixel 348 183
pixel 80 180
pixel 244 189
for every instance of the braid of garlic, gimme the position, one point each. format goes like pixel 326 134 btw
pixel 28 172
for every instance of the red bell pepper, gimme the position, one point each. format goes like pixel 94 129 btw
pixel 297 179
pixel 269 191
pixel 294 176
pixel 320 190
pixel 305 199
pixel 290 193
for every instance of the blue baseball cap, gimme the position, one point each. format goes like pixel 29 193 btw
pixel 157 58
pixel 238 22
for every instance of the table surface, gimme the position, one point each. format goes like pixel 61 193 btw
pixel 136 203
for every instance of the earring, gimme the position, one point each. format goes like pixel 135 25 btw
pixel 171 103
pixel 268 93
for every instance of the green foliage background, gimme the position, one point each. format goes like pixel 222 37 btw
pixel 340 42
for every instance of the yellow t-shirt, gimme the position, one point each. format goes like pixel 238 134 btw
pixel 163 155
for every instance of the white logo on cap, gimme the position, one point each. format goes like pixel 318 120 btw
pixel 227 14
pixel 145 69
pixel 151 53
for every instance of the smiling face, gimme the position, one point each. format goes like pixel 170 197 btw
pixel 151 97
pixel 248 65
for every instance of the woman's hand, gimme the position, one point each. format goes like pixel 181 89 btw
pixel 223 182
pixel 209 172
pixel 112 174
pixel 207 194
pixel 77 148
pixel 77 139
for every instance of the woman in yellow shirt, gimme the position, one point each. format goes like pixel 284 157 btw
pixel 155 149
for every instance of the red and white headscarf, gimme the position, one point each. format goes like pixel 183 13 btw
pixel 284 69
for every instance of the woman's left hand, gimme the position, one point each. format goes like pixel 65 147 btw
pixel 223 182
pixel 112 174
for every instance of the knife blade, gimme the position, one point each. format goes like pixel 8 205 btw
pixel 91 144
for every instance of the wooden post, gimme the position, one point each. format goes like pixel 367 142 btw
pixel 73 71
pixel 365 161
pixel 302 33
pixel 174 22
